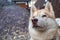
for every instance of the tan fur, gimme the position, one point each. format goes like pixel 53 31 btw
pixel 51 32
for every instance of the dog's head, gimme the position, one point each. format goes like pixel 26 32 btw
pixel 39 17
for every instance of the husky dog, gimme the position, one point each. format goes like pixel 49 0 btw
pixel 42 24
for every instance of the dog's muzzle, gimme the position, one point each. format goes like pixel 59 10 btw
pixel 39 24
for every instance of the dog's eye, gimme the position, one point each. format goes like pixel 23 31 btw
pixel 33 16
pixel 44 16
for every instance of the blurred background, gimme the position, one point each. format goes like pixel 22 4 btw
pixel 24 3
pixel 14 17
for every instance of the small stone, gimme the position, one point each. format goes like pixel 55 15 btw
pixel 21 33
pixel 22 36
pixel 18 22
pixel 14 37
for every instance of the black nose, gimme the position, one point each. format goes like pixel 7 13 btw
pixel 44 16
pixel 35 20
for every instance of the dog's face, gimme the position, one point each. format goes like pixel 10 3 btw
pixel 40 17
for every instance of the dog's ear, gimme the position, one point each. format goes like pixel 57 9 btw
pixel 32 10
pixel 32 7
pixel 49 7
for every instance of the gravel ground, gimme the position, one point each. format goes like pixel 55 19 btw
pixel 14 23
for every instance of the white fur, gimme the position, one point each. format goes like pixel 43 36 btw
pixel 49 34
pixel 49 22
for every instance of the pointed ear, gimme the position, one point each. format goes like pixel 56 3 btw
pixel 32 10
pixel 49 7
pixel 32 7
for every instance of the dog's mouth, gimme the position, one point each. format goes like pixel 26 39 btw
pixel 39 28
pixel 36 25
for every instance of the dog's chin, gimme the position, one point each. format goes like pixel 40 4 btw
pixel 40 29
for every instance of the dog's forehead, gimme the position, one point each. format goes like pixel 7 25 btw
pixel 39 12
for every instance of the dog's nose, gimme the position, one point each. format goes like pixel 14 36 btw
pixel 35 20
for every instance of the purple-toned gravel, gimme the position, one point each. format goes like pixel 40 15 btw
pixel 14 23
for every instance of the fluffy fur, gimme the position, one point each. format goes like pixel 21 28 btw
pixel 46 27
